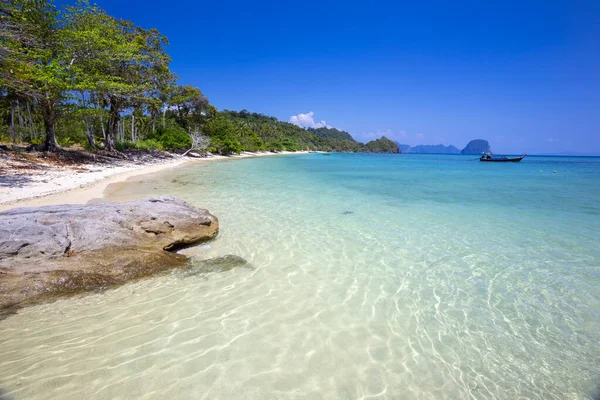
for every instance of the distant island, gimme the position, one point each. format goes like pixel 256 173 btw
pixel 428 149
pixel 476 147
pixel 382 145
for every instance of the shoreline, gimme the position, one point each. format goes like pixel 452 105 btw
pixel 69 186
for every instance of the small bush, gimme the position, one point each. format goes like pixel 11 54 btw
pixel 226 146
pixel 231 147
pixel 148 144
pixel 274 146
pixel 37 140
pixel 252 143
pixel 65 141
pixel 172 137
pixel 290 145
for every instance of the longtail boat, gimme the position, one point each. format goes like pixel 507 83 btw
pixel 489 158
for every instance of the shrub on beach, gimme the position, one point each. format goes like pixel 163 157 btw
pixel 251 142
pixel 148 144
pixel 274 145
pixel 226 146
pixel 171 136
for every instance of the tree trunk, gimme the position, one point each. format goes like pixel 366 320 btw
pixel 153 113
pixel 132 128
pixel 32 132
pixel 89 133
pixel 20 117
pixel 113 125
pixel 49 114
pixel 12 122
pixel 102 126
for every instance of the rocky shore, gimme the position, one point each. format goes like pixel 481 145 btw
pixel 65 249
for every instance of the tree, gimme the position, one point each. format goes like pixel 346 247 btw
pixel 137 74
pixel 199 142
pixel 127 65
pixel 190 106
pixel 33 60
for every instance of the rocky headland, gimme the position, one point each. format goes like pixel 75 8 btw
pixel 66 249
pixel 476 147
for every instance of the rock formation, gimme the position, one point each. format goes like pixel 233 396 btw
pixel 476 147
pixel 46 251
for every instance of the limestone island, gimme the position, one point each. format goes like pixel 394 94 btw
pixel 476 147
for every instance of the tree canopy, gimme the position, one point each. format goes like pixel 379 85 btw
pixel 77 75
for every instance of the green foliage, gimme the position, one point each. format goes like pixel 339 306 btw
pixel 290 145
pixel 70 131
pixel 189 107
pixel 251 142
pixel 227 146
pixel 225 136
pixel 172 136
pixel 66 141
pixel 36 141
pixel 79 75
pixel 382 145
pixel 274 145
pixel 331 133
pixel 275 135
pixel 148 144
pixel 260 132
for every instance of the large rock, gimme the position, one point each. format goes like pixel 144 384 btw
pixel 476 147
pixel 71 248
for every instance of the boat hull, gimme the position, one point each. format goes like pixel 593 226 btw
pixel 516 159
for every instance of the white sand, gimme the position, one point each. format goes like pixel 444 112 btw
pixel 79 185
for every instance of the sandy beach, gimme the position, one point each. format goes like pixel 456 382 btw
pixel 28 186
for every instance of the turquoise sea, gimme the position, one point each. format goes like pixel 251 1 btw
pixel 370 277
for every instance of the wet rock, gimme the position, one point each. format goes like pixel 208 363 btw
pixel 217 264
pixel 47 251
pixel 348 212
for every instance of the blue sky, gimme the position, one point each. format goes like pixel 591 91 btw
pixel 524 75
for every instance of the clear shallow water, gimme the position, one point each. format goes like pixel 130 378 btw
pixel 374 276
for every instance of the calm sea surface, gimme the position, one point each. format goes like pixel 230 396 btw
pixel 371 277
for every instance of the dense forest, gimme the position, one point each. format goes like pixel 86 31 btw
pixel 76 75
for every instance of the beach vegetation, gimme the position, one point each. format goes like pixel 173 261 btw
pixel 226 146
pixel 75 75
pixel 172 136
pixel 147 145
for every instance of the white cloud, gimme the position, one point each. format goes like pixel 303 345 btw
pixel 308 121
pixel 420 136
pixel 552 140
